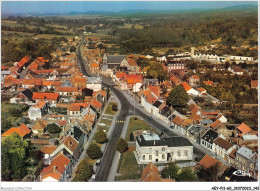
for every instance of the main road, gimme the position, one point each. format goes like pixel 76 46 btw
pixel 108 155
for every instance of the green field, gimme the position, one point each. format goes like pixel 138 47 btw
pixel 109 110
pixel 137 124
pixel 129 168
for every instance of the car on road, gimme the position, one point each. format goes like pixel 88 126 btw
pixel 98 162
pixel 171 126
pixel 150 117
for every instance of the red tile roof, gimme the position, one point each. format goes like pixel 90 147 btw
pixel 217 124
pixel 201 90
pixel 35 82
pixel 23 61
pixel 223 143
pixel 186 86
pixel 155 89
pixel 40 104
pixel 67 89
pixel 195 77
pixel 210 83
pixel 244 128
pixel 71 143
pixel 51 96
pixel 254 83
pixel 22 131
pixel 48 149
pixel 207 162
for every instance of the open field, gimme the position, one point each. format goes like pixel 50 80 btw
pixel 136 125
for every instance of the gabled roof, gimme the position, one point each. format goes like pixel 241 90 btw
pixel 71 143
pixel 22 131
pixel 155 89
pixel 244 128
pixel 208 82
pixel 115 58
pixel 186 86
pixel 254 83
pixel 217 124
pixel 67 89
pixel 40 104
pixel 23 61
pixel 52 96
pixel 40 124
pixel 48 149
pixel 201 90
pixel 208 161
pixel 245 152
pixel 223 143
pixel 210 136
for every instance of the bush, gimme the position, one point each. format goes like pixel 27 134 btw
pixel 84 172
pixel 121 145
pixel 94 151
pixel 114 107
pixel 132 136
pixel 53 128
pixel 101 137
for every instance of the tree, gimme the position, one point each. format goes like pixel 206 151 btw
pixel 16 151
pixel 143 62
pixel 83 172
pixel 210 174
pixel 121 145
pixel 53 128
pixel 170 171
pixel 114 107
pixel 186 175
pixel 101 137
pixel 227 65
pixel 177 97
pixel 94 151
pixel 6 171
pixel 132 136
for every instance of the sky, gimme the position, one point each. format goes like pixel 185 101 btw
pixel 32 7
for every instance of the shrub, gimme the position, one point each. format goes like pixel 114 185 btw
pixel 121 145
pixel 53 128
pixel 101 137
pixel 114 107
pixel 94 151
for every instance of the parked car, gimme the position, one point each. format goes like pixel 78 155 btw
pixel 150 117
pixel 171 126
pixel 98 162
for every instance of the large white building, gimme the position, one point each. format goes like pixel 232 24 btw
pixel 152 148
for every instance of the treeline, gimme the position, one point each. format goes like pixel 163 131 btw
pixel 37 30
pixel 35 47
pixel 191 30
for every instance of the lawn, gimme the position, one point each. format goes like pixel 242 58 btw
pixel 109 110
pixel 129 168
pixel 137 124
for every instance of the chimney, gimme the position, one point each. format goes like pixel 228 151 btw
pixel 54 168
pixel 154 142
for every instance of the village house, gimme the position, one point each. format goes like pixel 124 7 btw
pixel 67 91
pixel 152 148
pixel 24 62
pixel 223 148
pixel 147 100
pixel 236 70
pixel 94 68
pixel 94 83
pixel 23 131
pixel 51 98
pixel 247 161
pixel 151 174
pixel 193 80
pixel 48 150
pixel 189 90
pixel 40 109
pixel 254 84
pixel 195 131
pixel 39 126
pixel 24 97
pixel 207 139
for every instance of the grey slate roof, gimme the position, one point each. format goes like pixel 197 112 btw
pixel 166 111
pixel 210 136
pixel 67 83
pixel 245 152
pixel 77 133
pixel 157 104
pixel 115 58
pixel 28 94
pixel 169 141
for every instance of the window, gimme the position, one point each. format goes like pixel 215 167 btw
pixel 143 157
pixel 150 150
pixel 186 153
pixel 157 153
pixel 171 153
pixel 163 149
pixel 150 157
pixel 163 157
pixel 179 153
